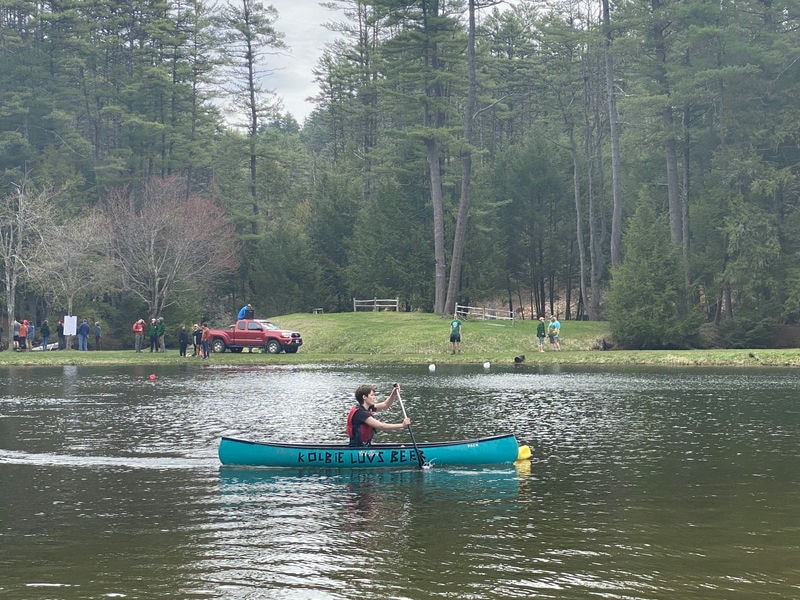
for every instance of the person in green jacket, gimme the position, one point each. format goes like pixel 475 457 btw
pixel 541 332
pixel 160 328
pixel 151 333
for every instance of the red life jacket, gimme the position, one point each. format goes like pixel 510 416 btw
pixel 361 435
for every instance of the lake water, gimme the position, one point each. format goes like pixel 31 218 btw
pixel 644 484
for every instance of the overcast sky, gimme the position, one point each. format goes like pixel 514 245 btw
pixel 293 80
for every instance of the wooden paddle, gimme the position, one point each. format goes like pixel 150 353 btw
pixel 420 458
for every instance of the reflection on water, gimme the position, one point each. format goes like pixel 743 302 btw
pixel 324 526
pixel 644 484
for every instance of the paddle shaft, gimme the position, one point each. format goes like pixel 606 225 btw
pixel 420 459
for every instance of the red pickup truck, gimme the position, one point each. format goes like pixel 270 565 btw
pixel 255 333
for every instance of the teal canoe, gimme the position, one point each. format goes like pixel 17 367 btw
pixel 482 451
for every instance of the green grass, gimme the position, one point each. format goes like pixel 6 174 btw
pixel 421 334
pixel 419 338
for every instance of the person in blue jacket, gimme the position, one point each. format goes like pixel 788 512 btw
pixel 83 335
pixel 553 332
pixel 246 312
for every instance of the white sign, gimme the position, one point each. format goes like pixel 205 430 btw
pixel 70 325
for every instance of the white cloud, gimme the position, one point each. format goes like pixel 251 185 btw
pixel 292 78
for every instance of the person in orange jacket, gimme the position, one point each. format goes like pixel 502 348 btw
pixel 138 334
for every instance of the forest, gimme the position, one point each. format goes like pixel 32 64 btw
pixel 633 161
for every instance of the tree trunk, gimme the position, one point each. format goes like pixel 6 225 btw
pixel 668 123
pixel 576 191
pixel 454 283
pixel 435 170
pixel 592 145
pixel 673 188
pixel 616 186
pixel 23 217
pixel 252 135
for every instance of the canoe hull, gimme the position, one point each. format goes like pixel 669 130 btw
pixel 482 451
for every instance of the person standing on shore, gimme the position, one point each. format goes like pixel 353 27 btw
pixel 197 339
pixel 553 331
pixel 83 335
pixel 455 335
pixel 152 333
pixel 23 335
pixel 16 327
pixel 138 334
pixel 62 341
pixel 160 330
pixel 205 340
pixel 45 331
pixel 183 340
pixel 541 333
pixel 98 333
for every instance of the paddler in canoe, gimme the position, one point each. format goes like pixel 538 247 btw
pixel 361 425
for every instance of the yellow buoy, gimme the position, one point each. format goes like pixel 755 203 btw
pixel 524 453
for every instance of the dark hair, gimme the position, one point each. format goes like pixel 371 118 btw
pixel 363 391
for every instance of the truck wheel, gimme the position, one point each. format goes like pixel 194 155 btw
pixel 274 347
pixel 218 345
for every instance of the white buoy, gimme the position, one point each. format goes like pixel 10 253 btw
pixel 486 365
pixel 431 367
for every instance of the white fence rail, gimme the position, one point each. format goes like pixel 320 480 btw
pixel 376 304
pixel 484 313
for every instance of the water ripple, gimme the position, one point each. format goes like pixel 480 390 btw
pixel 645 484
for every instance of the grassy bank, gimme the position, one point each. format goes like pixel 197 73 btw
pixel 416 338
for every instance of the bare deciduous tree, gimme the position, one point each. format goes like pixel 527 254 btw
pixel 71 264
pixel 165 243
pixel 24 214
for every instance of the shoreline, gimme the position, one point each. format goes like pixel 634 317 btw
pixel 594 358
